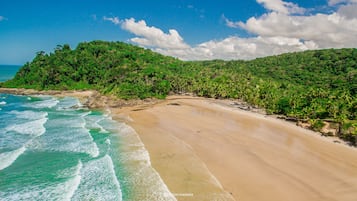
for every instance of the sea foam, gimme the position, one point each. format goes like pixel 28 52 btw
pixel 9 158
pixel 98 181
pixel 46 103
pixel 74 182
pixel 68 103
pixel 141 174
pixel 70 131
pixel 35 128
pixel 94 122
pixel 50 192
pixel 29 114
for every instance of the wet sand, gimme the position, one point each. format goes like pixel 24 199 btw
pixel 206 150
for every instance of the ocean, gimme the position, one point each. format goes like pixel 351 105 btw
pixel 7 72
pixel 56 149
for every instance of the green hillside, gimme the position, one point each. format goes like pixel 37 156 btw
pixel 313 86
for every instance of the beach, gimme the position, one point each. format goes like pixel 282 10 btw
pixel 208 149
pixel 205 149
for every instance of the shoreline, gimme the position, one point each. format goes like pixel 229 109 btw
pixel 208 149
pixel 269 159
pixel 129 151
pixel 89 98
pixel 94 100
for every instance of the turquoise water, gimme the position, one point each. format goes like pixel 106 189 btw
pixel 7 72
pixel 54 149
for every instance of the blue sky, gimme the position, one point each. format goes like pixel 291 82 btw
pixel 225 29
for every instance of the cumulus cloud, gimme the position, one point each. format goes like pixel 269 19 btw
pixel 152 36
pixel 233 48
pixel 230 48
pixel 348 11
pixel 282 29
pixel 337 29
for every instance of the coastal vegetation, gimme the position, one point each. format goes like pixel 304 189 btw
pixel 316 87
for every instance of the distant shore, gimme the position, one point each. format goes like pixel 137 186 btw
pixel 208 149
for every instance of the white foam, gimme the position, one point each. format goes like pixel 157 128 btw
pixel 29 114
pixel 2 103
pixel 93 122
pixel 75 181
pixel 94 151
pixel 49 192
pixel 10 157
pixel 138 153
pixel 121 129
pixel 35 128
pixel 93 148
pixel 101 128
pixel 73 140
pixel 141 174
pixel 47 103
pixel 67 134
pixel 86 114
pixel 67 121
pixel 69 103
pixel 98 181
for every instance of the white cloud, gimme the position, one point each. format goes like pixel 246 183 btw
pixel 281 6
pixel 326 30
pixel 335 2
pixel 114 20
pixel 230 23
pixel 233 48
pixel 150 36
pixel 278 31
pixel 2 18
pixel 348 11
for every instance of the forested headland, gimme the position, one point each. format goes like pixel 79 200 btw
pixel 317 87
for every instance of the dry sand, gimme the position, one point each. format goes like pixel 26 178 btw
pixel 205 150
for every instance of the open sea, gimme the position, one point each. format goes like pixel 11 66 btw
pixel 55 149
pixel 8 72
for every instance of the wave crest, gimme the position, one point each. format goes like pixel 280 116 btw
pixel 8 158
